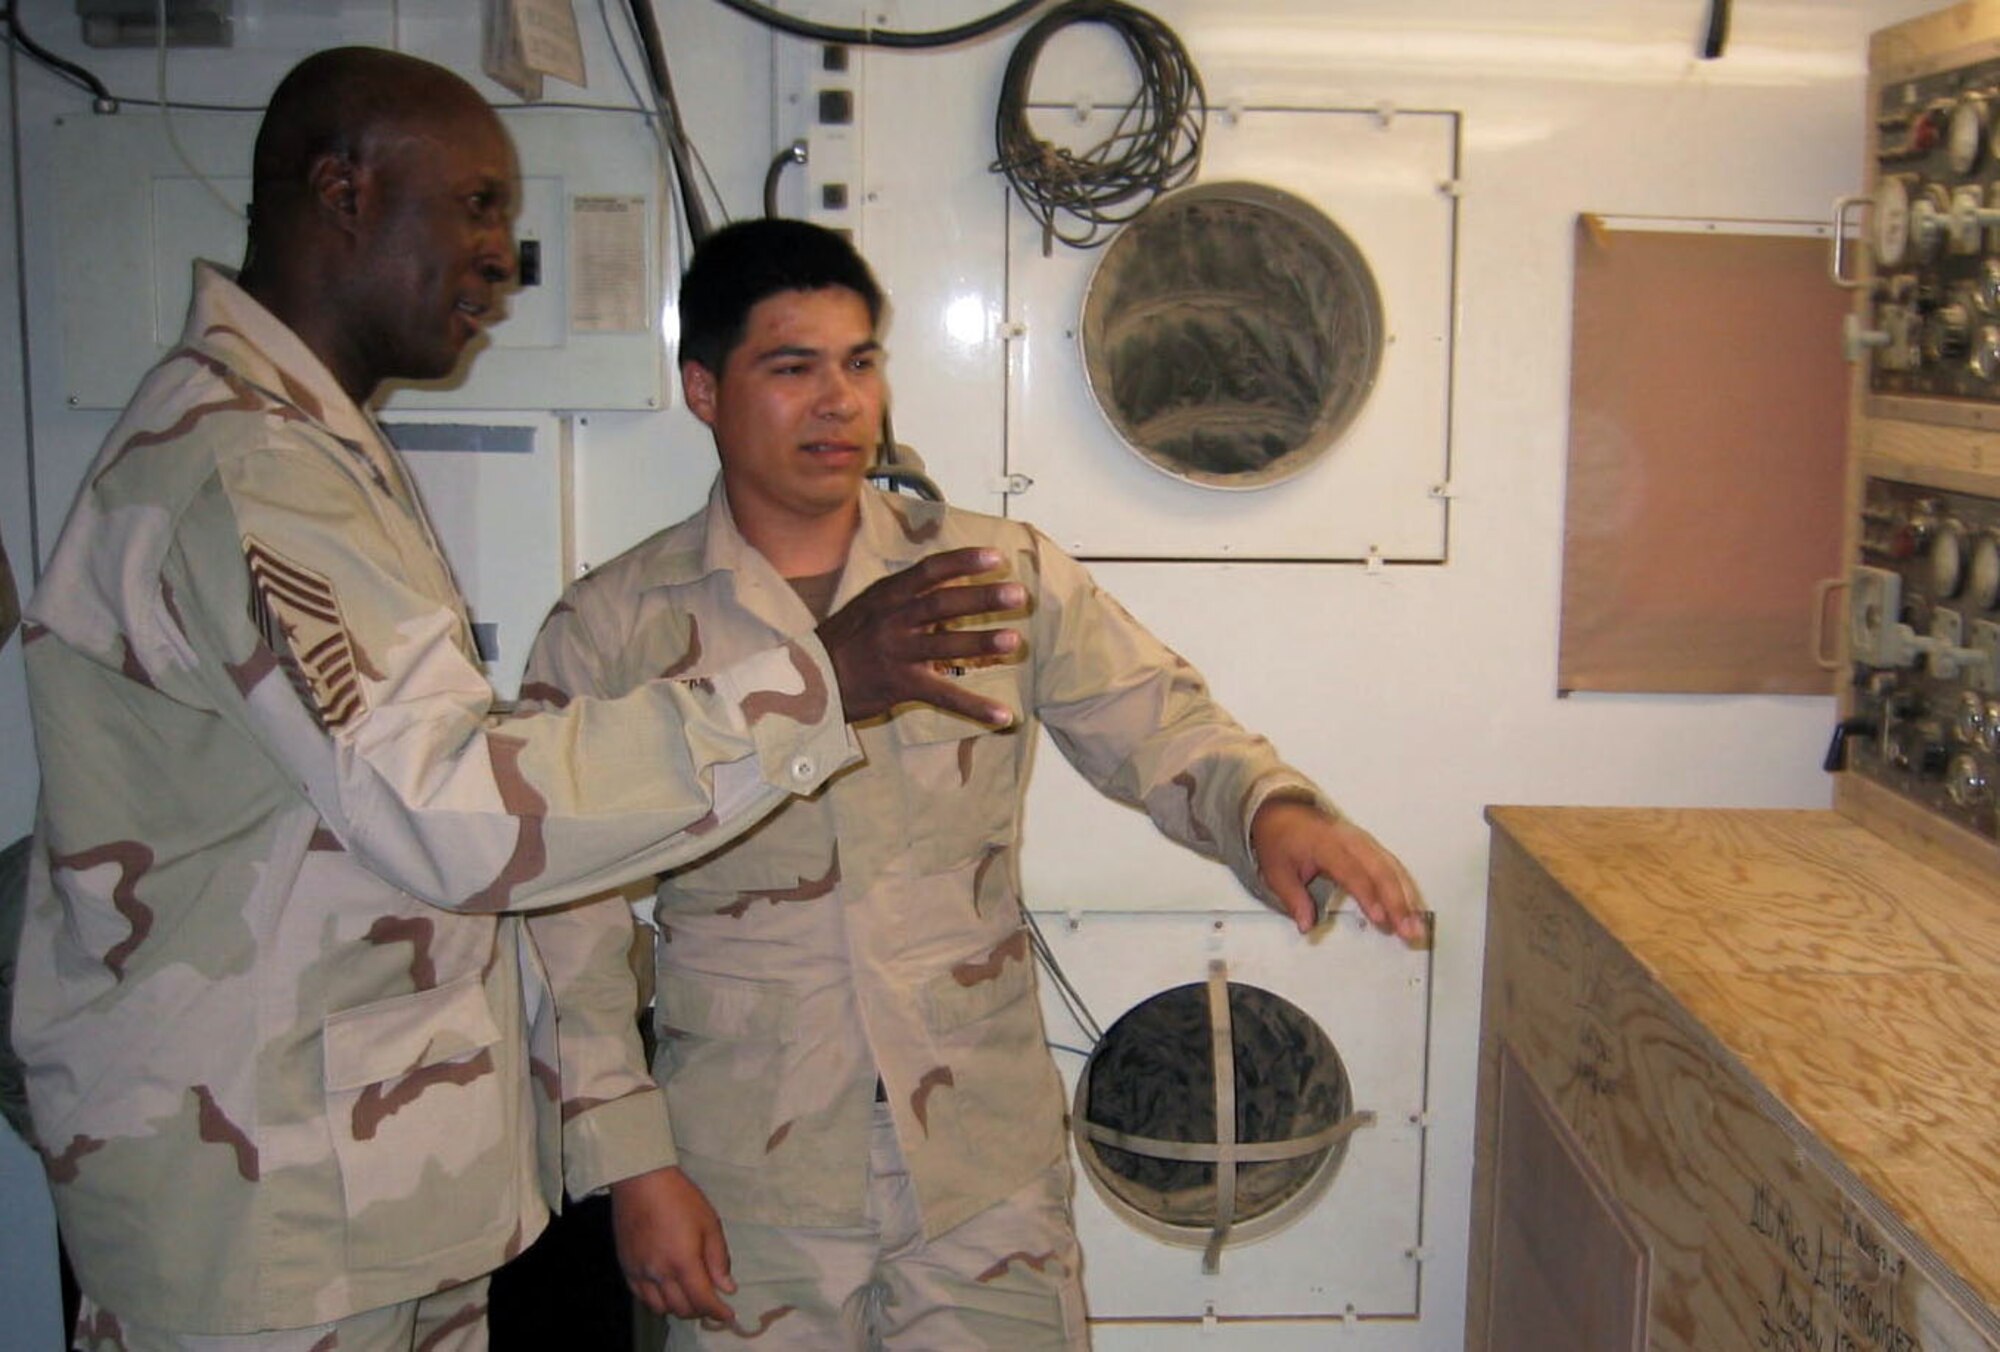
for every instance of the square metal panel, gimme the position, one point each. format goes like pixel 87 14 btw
pixel 1356 1248
pixel 131 218
pixel 1387 181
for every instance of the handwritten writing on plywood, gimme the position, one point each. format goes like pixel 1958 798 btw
pixel 1753 1243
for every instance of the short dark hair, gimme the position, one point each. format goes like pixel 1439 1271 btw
pixel 748 261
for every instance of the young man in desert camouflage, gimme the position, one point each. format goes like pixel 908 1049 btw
pixel 290 1051
pixel 849 1040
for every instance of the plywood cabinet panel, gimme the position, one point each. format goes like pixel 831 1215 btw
pixel 1770 1035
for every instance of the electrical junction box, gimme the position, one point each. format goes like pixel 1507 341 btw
pixel 136 23
pixel 132 216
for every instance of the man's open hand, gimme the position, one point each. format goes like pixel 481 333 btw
pixel 885 642
pixel 1295 843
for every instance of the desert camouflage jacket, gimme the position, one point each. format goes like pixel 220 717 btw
pixel 875 927
pixel 289 1052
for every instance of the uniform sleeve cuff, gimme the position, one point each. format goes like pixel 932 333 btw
pixel 1289 789
pixel 615 1140
pixel 789 701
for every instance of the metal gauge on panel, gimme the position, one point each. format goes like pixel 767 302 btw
pixel 1983 583
pixel 1905 328
pixel 1966 225
pixel 1231 334
pixel 1967 782
pixel 1986 292
pixel 1948 559
pixel 1892 221
pixel 1968 724
pixel 1966 136
pixel 1930 219
pixel 1947 333
pixel 1986 352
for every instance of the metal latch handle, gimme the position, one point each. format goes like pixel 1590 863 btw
pixel 1822 590
pixel 1838 266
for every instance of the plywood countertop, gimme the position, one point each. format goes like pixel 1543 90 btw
pixel 1858 985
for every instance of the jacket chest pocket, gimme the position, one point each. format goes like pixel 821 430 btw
pixel 983 1021
pixel 418 1086
pixel 959 784
pixel 722 1048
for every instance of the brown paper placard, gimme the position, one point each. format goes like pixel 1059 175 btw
pixel 1708 429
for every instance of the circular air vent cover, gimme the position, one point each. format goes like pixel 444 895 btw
pixel 1147 1104
pixel 1231 333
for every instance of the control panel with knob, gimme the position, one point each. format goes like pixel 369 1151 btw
pixel 1929 327
pixel 1923 637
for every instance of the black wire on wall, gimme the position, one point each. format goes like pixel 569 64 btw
pixel 18 37
pixel 879 37
pixel 1081 197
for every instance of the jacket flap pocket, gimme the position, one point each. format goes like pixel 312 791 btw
pixel 922 725
pixel 974 989
pixel 393 1037
pixel 722 1006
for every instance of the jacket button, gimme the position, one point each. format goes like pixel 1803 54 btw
pixel 802 768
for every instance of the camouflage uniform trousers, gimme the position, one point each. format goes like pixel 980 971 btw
pixel 1008 1279
pixel 451 1320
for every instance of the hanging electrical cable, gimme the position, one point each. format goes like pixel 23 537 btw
pixel 67 69
pixel 880 37
pixel 1717 36
pixel 1065 989
pixel 166 109
pixel 1155 144
pixel 686 163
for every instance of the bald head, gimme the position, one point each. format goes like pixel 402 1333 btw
pixel 381 214
pixel 345 102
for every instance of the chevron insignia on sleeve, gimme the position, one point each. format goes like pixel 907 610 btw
pixel 298 614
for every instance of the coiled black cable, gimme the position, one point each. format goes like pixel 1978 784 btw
pixel 1155 145
pixel 876 37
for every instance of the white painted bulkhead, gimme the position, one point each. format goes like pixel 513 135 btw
pixel 1416 694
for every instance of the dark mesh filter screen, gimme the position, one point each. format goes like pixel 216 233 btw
pixel 1153 1074
pixel 1231 333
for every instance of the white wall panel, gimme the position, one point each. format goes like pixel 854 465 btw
pixel 1417 694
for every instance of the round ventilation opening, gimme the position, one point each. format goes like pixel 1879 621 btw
pixel 1147 1106
pixel 1231 334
